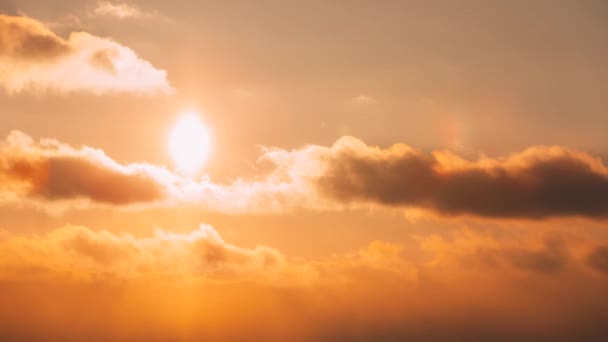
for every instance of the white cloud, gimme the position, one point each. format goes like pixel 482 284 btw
pixel 36 59
pixel 363 100
pixel 119 10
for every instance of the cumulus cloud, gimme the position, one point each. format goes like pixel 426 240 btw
pixel 53 171
pixel 84 253
pixel 33 58
pixel 538 182
pixel 196 286
pixel 50 171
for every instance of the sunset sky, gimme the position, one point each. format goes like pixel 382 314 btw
pixel 303 170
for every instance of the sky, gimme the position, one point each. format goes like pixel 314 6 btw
pixel 303 170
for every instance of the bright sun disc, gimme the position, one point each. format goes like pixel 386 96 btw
pixel 189 143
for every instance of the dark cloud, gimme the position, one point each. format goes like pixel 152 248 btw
pixel 62 177
pixel 598 259
pixel 59 172
pixel 539 182
pixel 21 37
pixel 73 177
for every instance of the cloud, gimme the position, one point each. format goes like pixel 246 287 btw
pixel 53 171
pixel 196 286
pixel 87 254
pixel 118 10
pixel 50 171
pixel 539 182
pixel 547 254
pixel 124 10
pixel 598 259
pixel 535 183
pixel 363 100
pixel 32 58
pixel 56 176
pixel 550 259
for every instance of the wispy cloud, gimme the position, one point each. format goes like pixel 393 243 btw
pixel 124 10
pixel 363 100
pixel 118 10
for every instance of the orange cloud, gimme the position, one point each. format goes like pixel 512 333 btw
pixel 118 10
pixel 50 171
pixel 86 254
pixel 53 171
pixel 196 286
pixel 538 182
pixel 124 10
pixel 598 259
pixel 33 58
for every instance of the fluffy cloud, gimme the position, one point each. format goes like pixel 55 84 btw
pixel 86 254
pixel 36 59
pixel 538 182
pixel 196 286
pixel 53 171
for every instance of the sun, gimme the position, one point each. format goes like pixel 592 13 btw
pixel 189 143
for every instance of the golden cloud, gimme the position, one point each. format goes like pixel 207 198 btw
pixel 50 171
pixel 33 58
pixel 196 286
pixel 539 182
pixel 53 171
pixel 535 183
pixel 118 10
pixel 86 254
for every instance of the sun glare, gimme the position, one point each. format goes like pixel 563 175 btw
pixel 189 143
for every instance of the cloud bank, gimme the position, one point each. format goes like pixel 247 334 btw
pixel 539 182
pixel 49 171
pixel 195 286
pixel 33 58
pixel 85 254
pixel 535 183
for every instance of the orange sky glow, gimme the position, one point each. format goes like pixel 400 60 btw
pixel 303 170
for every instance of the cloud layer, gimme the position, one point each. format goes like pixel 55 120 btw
pixel 195 286
pixel 50 171
pixel 85 254
pixel 539 182
pixel 32 58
